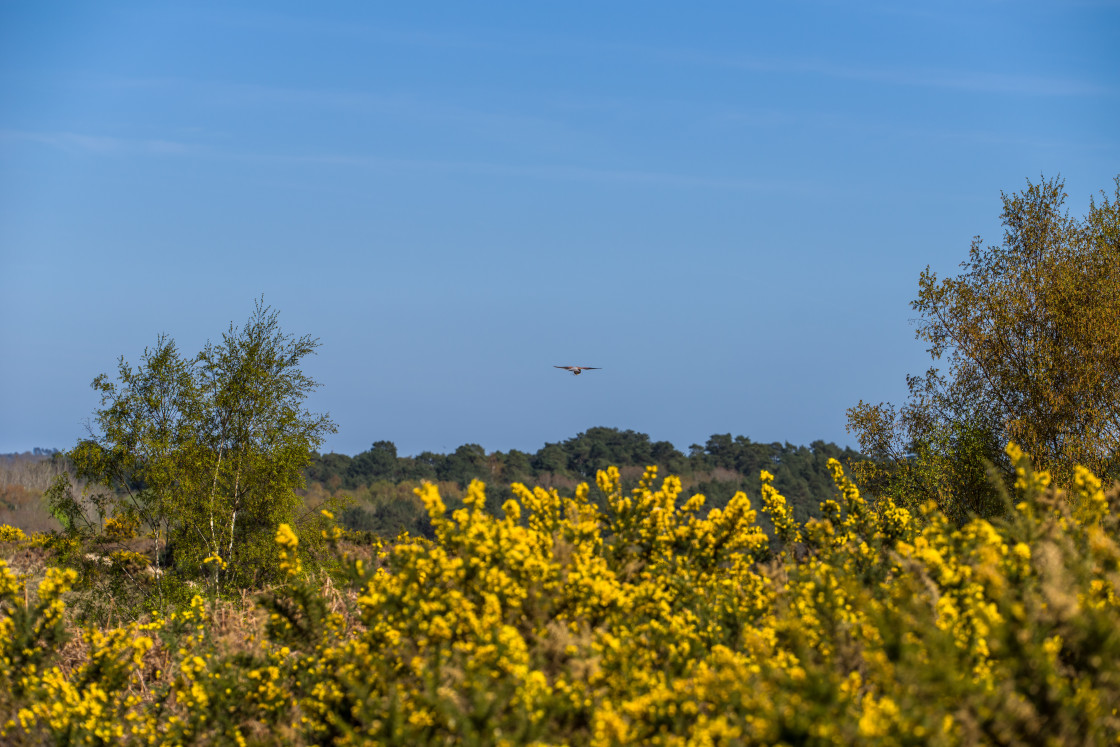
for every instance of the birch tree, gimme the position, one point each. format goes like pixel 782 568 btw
pixel 202 455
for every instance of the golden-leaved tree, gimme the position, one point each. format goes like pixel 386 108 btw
pixel 1030 333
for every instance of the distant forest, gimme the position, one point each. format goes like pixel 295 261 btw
pixel 375 487
pixel 377 484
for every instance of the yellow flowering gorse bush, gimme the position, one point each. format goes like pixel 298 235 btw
pixel 639 618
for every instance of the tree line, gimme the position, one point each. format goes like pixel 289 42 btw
pixel 380 482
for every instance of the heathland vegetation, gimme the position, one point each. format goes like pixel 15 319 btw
pixel 378 488
pixel 211 578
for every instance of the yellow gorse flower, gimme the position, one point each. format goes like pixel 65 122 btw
pixel 289 558
pixel 217 560
pixel 626 616
pixel 11 534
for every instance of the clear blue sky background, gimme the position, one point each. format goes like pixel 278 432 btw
pixel 724 205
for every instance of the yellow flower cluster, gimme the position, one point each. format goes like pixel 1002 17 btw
pixel 288 542
pixel 631 617
pixel 121 528
pixel 11 534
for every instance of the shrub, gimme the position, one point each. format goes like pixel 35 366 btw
pixel 643 622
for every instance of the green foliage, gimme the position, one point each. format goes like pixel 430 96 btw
pixel 197 458
pixel 1030 332
pixel 381 483
pixel 641 622
pixel 390 512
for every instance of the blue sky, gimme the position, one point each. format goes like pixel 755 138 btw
pixel 725 206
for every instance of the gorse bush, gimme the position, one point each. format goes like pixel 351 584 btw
pixel 647 621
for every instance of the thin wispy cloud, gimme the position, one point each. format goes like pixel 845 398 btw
pixel 115 146
pixel 558 172
pixel 858 127
pixel 972 81
pixel 1034 143
pixel 979 81
pixel 946 78
pixel 100 144
pixel 272 21
pixel 763 118
pixel 500 120
pixel 983 81
pixel 961 80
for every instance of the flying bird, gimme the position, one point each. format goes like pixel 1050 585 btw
pixel 577 370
